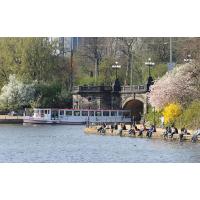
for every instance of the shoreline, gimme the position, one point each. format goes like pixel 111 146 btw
pixel 7 119
pixel 156 135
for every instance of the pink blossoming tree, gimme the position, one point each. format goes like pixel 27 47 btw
pixel 181 85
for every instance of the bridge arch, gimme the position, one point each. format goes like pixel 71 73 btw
pixel 136 106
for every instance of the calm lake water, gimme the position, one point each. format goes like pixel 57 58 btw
pixel 66 144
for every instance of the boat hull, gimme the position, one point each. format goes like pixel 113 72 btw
pixel 34 121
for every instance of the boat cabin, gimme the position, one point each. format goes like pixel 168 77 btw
pixel 80 115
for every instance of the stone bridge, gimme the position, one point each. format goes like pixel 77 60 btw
pixel 133 98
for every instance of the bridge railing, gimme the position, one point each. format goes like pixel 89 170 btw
pixel 134 88
pixel 127 88
pixel 92 88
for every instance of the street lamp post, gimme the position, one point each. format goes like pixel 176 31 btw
pixel 150 79
pixel 188 59
pixel 116 66
pixel 149 64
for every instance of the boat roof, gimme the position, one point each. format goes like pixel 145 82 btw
pixel 79 109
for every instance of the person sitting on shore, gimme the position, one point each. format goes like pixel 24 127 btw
pixel 99 129
pixel 132 131
pixel 195 135
pixel 168 132
pixel 104 125
pixel 141 130
pixel 186 132
pixel 102 129
pixel 119 131
pixel 174 130
pixel 183 132
pixel 123 127
pixel 136 128
pixel 111 128
pixel 150 131
pixel 115 126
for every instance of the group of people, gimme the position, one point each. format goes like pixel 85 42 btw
pixel 132 129
pixel 171 130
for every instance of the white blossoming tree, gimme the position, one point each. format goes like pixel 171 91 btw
pixel 16 94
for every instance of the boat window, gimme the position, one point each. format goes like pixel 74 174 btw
pixel 68 113
pixel 126 114
pixel 61 112
pixel 98 113
pixel 42 113
pixel 48 111
pixel 76 113
pixel 120 113
pixel 45 112
pixel 113 113
pixel 84 113
pixel 105 113
pixel 91 113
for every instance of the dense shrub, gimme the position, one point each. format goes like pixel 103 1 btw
pixel 153 115
pixel 190 116
pixel 52 96
pixel 171 112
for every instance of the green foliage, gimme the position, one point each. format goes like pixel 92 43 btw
pixel 52 96
pixel 157 71
pixel 191 116
pixel 86 80
pixel 31 59
pixel 106 74
pixel 151 115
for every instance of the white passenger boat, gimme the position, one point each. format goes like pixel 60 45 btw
pixel 77 116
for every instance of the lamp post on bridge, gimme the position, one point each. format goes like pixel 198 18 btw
pixel 149 64
pixel 188 59
pixel 116 67
pixel 150 79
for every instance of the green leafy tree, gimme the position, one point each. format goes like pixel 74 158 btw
pixel 52 95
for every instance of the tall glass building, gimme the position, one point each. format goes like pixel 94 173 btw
pixel 66 44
